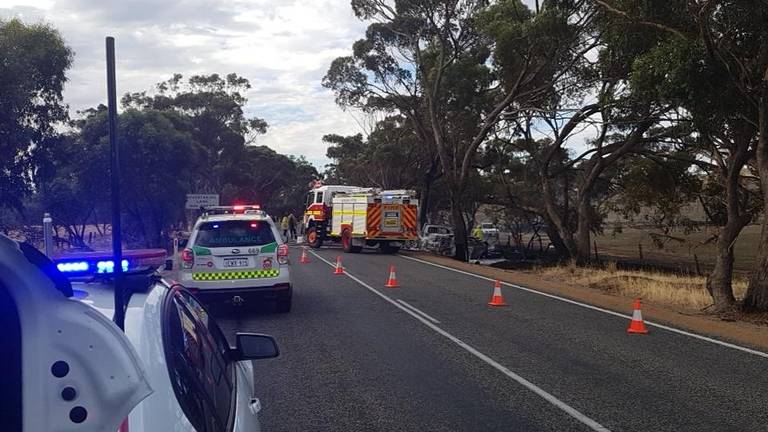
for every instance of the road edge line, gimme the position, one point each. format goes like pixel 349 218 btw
pixel 573 412
pixel 599 309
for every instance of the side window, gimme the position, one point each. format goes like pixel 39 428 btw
pixel 319 197
pixel 196 351
pixel 310 199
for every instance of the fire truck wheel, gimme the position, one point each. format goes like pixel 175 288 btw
pixel 346 242
pixel 314 239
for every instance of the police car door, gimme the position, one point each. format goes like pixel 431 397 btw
pixel 67 366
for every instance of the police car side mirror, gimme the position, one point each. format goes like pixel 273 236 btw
pixel 252 346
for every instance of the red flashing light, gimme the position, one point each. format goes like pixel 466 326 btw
pixel 239 208
pixel 254 225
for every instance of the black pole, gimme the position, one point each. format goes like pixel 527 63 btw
pixel 117 250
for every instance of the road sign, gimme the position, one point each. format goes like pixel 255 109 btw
pixel 195 201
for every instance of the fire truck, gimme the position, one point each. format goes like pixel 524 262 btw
pixel 358 217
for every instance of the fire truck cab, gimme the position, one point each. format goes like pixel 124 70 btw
pixel 358 217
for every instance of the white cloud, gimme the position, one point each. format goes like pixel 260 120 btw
pixel 283 47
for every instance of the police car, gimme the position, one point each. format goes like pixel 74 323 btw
pixel 235 255
pixel 65 366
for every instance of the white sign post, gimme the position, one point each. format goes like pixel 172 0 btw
pixel 195 201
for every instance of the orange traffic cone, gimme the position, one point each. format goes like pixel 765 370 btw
pixel 304 258
pixel 392 281
pixel 497 299
pixel 637 326
pixel 339 269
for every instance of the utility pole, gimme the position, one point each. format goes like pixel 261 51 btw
pixel 117 249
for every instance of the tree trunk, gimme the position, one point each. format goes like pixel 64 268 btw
pixel 424 202
pixel 559 223
pixel 557 241
pixel 583 232
pixel 719 280
pixel 757 292
pixel 459 228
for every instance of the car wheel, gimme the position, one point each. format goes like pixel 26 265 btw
pixel 314 239
pixel 284 305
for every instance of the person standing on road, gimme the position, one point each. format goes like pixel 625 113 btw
pixel 292 225
pixel 284 226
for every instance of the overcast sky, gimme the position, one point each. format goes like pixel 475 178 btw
pixel 283 47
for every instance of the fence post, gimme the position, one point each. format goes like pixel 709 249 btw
pixel 640 248
pixel 48 234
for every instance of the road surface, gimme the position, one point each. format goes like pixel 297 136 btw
pixel 432 356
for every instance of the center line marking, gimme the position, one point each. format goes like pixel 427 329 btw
pixel 418 311
pixel 595 426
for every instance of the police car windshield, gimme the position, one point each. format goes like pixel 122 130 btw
pixel 234 233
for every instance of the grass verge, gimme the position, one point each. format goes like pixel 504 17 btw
pixel 676 290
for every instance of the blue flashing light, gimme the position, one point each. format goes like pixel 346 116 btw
pixel 73 266
pixel 216 225
pixel 109 266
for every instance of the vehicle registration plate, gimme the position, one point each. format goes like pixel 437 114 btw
pixel 390 222
pixel 235 262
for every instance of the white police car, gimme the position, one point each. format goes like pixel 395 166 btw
pixel 235 254
pixel 65 366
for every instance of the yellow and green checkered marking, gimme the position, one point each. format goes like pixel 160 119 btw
pixel 232 275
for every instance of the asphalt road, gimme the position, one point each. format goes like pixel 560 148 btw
pixel 357 360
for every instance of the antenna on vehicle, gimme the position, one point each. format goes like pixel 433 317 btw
pixel 117 249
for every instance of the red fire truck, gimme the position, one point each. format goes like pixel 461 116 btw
pixel 359 217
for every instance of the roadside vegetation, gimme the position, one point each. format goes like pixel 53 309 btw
pixel 556 116
pixel 185 135
pixel 562 113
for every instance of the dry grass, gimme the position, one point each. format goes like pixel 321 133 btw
pixel 677 290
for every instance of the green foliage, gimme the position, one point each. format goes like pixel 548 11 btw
pixel 156 155
pixel 33 62
pixel 214 106
pixel 391 157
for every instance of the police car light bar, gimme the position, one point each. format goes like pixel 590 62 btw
pixel 101 263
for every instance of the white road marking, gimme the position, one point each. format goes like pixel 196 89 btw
pixel 599 309
pixel 418 311
pixel 595 426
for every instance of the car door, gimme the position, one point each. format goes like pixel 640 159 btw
pixel 204 379
pixel 76 370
